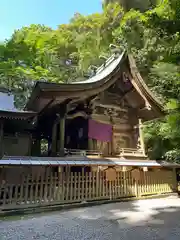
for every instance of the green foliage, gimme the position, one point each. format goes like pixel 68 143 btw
pixel 63 55
pixel 134 4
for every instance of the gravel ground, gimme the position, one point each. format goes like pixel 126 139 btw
pixel 143 219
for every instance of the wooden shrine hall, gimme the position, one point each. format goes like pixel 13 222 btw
pixel 100 116
pixel 86 136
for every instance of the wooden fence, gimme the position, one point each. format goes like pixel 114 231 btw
pixel 61 188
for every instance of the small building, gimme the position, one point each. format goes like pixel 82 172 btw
pixel 82 141
pixel 15 127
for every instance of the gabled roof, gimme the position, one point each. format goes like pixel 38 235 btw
pixel 73 89
pixel 105 76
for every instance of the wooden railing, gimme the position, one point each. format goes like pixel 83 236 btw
pixel 131 152
pixel 122 152
pixel 81 152
pixel 65 187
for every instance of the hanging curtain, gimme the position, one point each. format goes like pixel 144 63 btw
pixel 99 131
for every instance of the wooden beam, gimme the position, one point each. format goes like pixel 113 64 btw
pixel 77 114
pixel 47 106
pixel 118 108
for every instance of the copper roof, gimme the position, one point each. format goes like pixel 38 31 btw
pixel 79 160
pixel 16 114
pixel 105 76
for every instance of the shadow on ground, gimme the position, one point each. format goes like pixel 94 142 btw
pixel 142 219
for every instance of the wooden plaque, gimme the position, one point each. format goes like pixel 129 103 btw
pixel 110 174
pixel 136 174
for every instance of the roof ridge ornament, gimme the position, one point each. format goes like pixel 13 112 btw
pixel 92 69
pixel 107 60
pixel 106 63
pixel 103 58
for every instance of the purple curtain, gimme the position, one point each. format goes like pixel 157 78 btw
pixel 99 131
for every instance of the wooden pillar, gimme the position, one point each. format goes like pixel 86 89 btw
pixel 38 147
pixel 61 135
pixel 112 141
pixel 62 119
pixel 30 145
pixel 90 144
pixel 141 136
pixel 54 139
pixel 175 182
pixel 1 139
pixel 90 141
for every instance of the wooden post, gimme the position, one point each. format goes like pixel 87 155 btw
pixel 38 146
pixel 1 138
pixel 90 144
pixel 112 141
pixel 54 139
pixel 175 182
pixel 30 145
pixel 136 187
pixel 61 135
pixel 60 147
pixel 141 136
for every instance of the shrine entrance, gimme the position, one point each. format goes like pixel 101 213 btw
pixel 76 133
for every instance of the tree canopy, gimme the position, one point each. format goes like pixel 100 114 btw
pixel 134 4
pixel 147 29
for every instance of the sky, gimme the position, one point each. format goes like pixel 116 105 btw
pixel 15 14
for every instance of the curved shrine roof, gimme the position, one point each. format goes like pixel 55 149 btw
pixel 105 70
pixel 105 76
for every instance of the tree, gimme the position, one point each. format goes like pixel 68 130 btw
pixel 134 4
pixel 39 53
pixel 149 30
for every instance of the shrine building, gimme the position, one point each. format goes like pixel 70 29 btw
pixel 69 131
